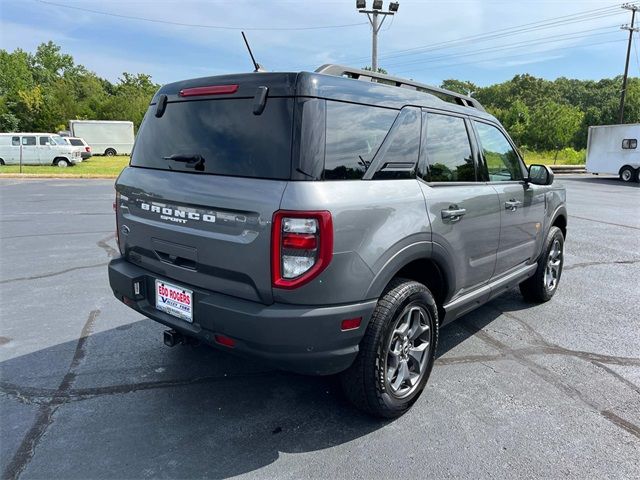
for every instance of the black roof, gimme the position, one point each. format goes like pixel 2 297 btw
pixel 378 90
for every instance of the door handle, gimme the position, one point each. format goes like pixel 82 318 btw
pixel 512 205
pixel 453 213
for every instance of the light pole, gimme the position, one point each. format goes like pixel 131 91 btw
pixel 361 5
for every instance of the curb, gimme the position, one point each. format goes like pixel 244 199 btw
pixel 53 175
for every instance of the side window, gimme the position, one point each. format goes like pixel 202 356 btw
pixel 353 135
pixel 448 150
pixel 28 141
pixel 399 152
pixel 501 159
pixel 45 140
pixel 629 143
pixel 15 141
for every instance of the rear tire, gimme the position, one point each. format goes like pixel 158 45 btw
pixel 61 162
pixel 628 174
pixel 110 152
pixel 1 162
pixel 396 353
pixel 543 285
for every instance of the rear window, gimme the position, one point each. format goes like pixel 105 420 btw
pixel 76 142
pixel 225 133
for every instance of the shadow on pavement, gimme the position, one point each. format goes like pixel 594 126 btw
pixel 601 180
pixel 128 407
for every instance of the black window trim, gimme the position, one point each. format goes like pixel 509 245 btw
pixel 377 163
pixel 472 144
pixel 483 163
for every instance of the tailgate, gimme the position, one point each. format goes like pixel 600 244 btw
pixel 209 231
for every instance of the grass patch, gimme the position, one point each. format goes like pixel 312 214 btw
pixel 112 166
pixel 94 166
pixel 566 156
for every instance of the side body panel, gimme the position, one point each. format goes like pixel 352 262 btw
pixel 521 230
pixel 469 244
pixel 374 221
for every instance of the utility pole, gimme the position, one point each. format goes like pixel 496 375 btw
pixel 634 9
pixel 361 5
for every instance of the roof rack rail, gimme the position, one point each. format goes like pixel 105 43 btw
pixel 368 76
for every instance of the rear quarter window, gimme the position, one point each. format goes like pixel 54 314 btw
pixel 353 135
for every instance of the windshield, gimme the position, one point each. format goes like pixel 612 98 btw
pixel 58 140
pixel 222 137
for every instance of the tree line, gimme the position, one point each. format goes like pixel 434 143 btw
pixel 42 91
pixel 554 114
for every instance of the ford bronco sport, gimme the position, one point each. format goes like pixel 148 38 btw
pixel 329 222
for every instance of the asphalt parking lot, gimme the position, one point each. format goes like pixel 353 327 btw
pixel 88 390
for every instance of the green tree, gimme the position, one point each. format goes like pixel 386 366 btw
pixel 459 86
pixel 553 126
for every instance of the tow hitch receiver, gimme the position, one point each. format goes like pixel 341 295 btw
pixel 173 338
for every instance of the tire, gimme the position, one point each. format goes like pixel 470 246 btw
pixel 1 162
pixel 542 286
pixel 372 383
pixel 110 152
pixel 628 174
pixel 62 162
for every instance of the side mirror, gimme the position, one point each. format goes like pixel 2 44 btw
pixel 540 175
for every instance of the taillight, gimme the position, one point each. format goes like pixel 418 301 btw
pixel 301 246
pixel 87 149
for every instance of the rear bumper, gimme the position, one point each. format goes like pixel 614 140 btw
pixel 302 339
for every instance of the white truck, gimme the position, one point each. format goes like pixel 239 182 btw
pixel 104 136
pixel 614 149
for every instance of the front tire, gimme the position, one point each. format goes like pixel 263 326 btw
pixel 62 162
pixel 542 286
pixel 396 353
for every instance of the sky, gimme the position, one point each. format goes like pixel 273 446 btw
pixel 483 41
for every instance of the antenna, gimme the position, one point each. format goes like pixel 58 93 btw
pixel 258 67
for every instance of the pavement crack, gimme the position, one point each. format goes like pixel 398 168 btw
pixel 606 223
pixel 44 417
pixel 632 428
pixel 617 376
pixel 109 250
pixel 591 264
pixel 52 274
pixel 53 234
pixel 550 377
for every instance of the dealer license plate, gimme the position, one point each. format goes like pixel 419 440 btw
pixel 174 300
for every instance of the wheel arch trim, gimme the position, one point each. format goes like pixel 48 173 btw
pixel 423 250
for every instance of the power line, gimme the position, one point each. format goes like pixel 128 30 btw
pixel 497 48
pixel 196 25
pixel 503 57
pixel 588 15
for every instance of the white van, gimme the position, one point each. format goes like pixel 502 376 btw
pixel 614 149
pixel 37 149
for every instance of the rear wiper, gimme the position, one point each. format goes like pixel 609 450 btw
pixel 196 160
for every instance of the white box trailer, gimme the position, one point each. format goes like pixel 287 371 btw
pixel 614 149
pixel 104 136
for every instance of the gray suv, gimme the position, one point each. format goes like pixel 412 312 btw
pixel 329 222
